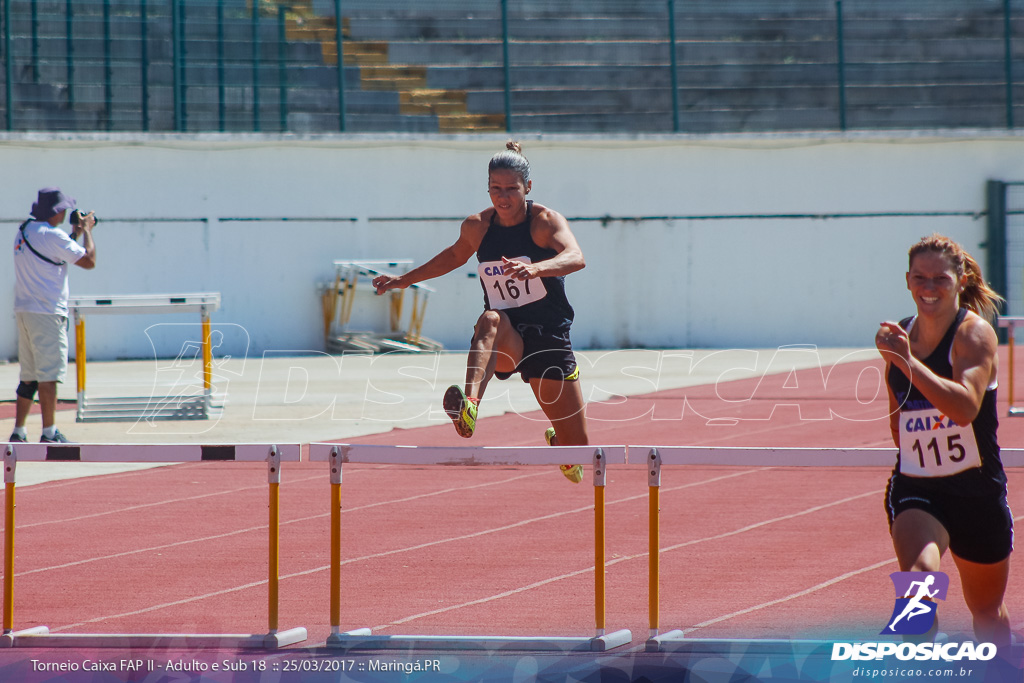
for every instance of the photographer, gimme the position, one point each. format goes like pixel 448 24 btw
pixel 42 252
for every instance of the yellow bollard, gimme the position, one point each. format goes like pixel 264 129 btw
pixel 395 310
pixel 654 543
pixel 335 557
pixel 274 478
pixel 336 462
pixel 207 352
pixel 599 568
pixel 80 352
pixel 275 556
pixel 1012 327
pixel 10 462
pixel 600 479
pixel 9 558
pixel 653 578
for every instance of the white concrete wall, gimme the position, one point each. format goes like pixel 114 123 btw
pixel 655 283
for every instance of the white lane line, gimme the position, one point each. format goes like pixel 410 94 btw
pixel 808 591
pixel 792 596
pixel 172 501
pixel 153 608
pixel 401 550
pixel 481 601
pixel 543 582
pixel 609 563
pixel 499 529
pixel 133 508
pixel 50 484
pixel 783 518
pixel 262 527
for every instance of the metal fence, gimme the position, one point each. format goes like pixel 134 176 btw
pixel 1005 242
pixel 626 66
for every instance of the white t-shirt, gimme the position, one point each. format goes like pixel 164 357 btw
pixel 42 287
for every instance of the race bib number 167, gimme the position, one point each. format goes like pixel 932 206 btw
pixel 506 292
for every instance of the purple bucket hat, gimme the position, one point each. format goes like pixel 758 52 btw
pixel 51 201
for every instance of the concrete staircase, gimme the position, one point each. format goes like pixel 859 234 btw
pixel 376 73
pixel 425 66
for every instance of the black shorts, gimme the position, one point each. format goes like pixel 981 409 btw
pixel 980 528
pixel 547 354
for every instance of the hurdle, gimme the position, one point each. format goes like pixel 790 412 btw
pixel 599 458
pixel 656 456
pixel 338 298
pixel 40 636
pixel 1011 324
pixel 115 409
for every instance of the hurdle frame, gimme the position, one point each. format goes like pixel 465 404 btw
pixel 657 456
pixel 40 636
pixel 343 289
pixel 129 408
pixel 1011 324
pixel 363 639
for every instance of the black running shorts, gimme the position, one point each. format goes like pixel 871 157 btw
pixel 547 354
pixel 980 527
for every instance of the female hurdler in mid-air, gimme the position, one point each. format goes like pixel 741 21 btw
pixel 525 251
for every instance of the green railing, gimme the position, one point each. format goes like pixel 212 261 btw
pixel 511 65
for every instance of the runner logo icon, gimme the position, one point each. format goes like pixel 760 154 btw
pixel 916 592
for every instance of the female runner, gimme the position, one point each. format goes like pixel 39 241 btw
pixel 524 250
pixel 948 489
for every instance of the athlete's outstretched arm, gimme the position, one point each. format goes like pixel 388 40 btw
pixel 470 236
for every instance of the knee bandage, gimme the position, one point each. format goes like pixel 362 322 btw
pixel 27 390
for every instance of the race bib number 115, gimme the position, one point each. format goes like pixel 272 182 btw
pixel 932 445
pixel 506 292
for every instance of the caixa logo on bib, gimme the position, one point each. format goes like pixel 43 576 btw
pixel 916 593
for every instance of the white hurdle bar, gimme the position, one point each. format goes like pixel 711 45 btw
pixel 40 636
pixel 657 456
pixel 597 457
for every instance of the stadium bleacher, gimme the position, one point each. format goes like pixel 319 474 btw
pixel 441 66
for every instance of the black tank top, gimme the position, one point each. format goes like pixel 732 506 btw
pixel 514 242
pixel 990 477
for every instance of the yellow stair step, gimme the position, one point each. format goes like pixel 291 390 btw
pixel 395 84
pixel 439 108
pixel 434 96
pixel 386 77
pixel 302 24
pixel 479 123
pixel 356 53
pixel 432 101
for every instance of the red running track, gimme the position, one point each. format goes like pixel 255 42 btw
pixel 747 552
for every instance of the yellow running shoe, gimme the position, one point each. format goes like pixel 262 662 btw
pixel 549 435
pixel 573 473
pixel 461 409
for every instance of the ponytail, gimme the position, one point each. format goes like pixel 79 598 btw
pixel 977 295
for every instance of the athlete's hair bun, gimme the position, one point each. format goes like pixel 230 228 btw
pixel 512 159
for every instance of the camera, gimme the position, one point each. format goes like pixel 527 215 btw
pixel 77 215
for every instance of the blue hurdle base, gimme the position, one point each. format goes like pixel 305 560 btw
pixel 363 639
